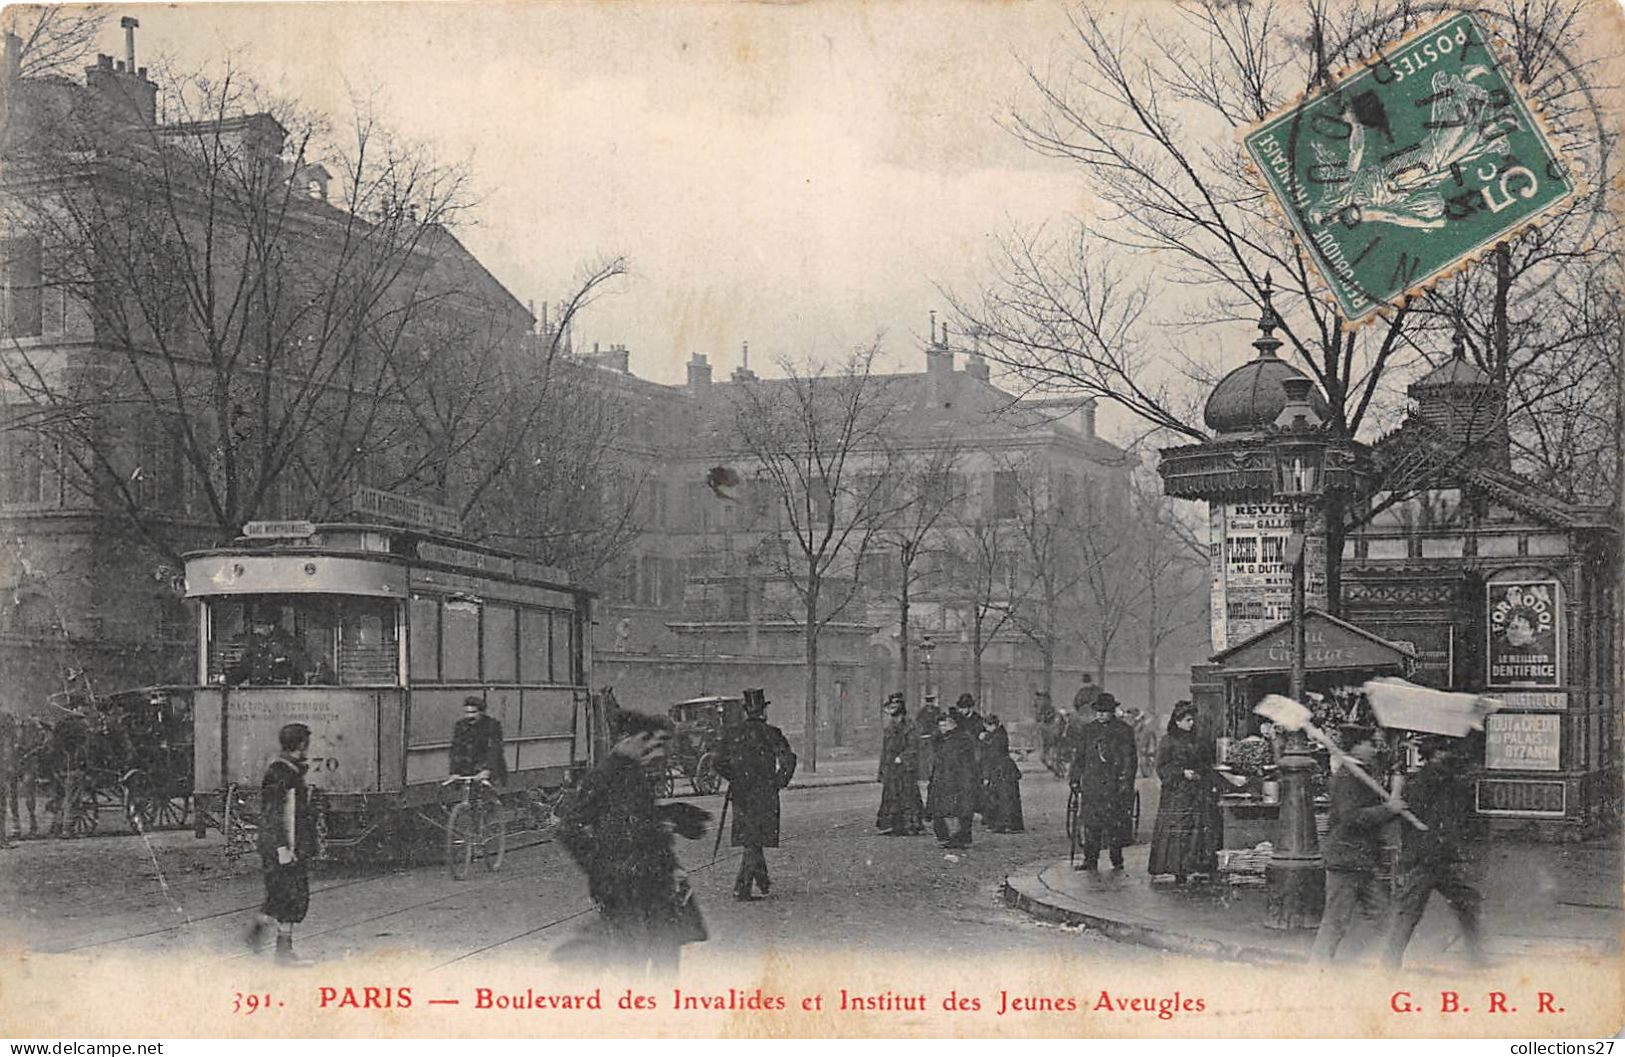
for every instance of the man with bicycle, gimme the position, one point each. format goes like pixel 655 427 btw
pixel 476 744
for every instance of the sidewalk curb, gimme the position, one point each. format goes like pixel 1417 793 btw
pixel 830 783
pixel 1026 891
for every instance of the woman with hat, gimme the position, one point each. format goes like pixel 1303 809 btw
pixel 900 807
pixel 1186 838
pixel 1001 792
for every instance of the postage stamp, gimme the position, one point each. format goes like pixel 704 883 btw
pixel 1411 166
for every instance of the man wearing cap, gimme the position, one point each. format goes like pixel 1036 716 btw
pixel 287 843
pixel 1353 846
pixel 756 759
pixel 1104 764
pixel 900 807
pixel 1436 860
pixel 476 744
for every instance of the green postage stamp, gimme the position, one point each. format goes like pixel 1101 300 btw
pixel 1408 167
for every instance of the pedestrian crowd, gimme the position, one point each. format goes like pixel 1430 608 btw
pixel 621 836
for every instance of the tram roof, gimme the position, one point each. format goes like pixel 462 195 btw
pixel 401 543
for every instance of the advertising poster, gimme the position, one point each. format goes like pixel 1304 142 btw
pixel 1525 621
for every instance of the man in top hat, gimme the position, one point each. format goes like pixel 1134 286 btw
pixel 756 759
pixel 1104 764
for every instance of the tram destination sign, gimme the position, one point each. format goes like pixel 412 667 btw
pixel 279 530
pixel 405 510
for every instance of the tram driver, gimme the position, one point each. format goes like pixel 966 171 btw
pixel 270 656
pixel 476 744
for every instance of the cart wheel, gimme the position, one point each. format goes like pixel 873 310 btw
pixel 83 820
pixel 174 811
pixel 494 837
pixel 706 779
pixel 461 837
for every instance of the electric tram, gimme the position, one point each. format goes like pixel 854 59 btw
pixel 373 635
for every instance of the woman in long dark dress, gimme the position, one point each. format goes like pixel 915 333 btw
pixel 900 808
pixel 1001 792
pixel 1186 838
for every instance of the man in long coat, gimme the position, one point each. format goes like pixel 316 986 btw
pixel 900 808
pixel 1104 766
pixel 616 832
pixel 756 759
pixel 925 729
pixel 956 783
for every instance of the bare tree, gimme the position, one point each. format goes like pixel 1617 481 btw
pixel 987 571
pixel 1148 111
pixel 55 39
pixel 925 488
pixel 279 311
pixel 1168 565
pixel 817 436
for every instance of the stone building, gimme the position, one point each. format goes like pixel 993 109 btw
pixel 106 477
pixel 695 609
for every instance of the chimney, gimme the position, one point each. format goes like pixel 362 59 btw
pixel 699 371
pixel 129 25
pixel 1086 417
pixel 14 57
pixel 743 373
pixel 619 359
pixel 977 367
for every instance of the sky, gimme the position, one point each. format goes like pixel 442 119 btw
pixel 794 176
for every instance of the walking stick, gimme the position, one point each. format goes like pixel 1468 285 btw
pixel 716 847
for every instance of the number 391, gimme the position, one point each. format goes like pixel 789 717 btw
pixel 250 1004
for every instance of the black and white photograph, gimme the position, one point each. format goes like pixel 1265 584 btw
pixel 1047 519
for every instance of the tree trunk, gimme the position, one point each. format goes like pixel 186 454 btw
pixel 902 648
pixel 1048 652
pixel 811 712
pixel 976 659
pixel 1151 679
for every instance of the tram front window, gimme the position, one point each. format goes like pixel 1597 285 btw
pixel 302 640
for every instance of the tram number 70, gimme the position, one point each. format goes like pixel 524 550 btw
pixel 321 763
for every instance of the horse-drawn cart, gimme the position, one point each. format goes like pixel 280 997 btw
pixel 699 722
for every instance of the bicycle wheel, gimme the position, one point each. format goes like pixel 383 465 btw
pixel 495 836
pixel 461 836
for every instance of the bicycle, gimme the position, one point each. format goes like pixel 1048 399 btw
pixel 476 828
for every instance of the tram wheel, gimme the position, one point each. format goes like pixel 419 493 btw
pixel 461 836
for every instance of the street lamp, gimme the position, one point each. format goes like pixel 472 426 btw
pixel 928 646
pixel 1297 878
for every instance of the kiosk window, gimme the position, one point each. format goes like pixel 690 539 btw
pixel 460 641
pixel 499 645
pixel 534 645
pixel 425 639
